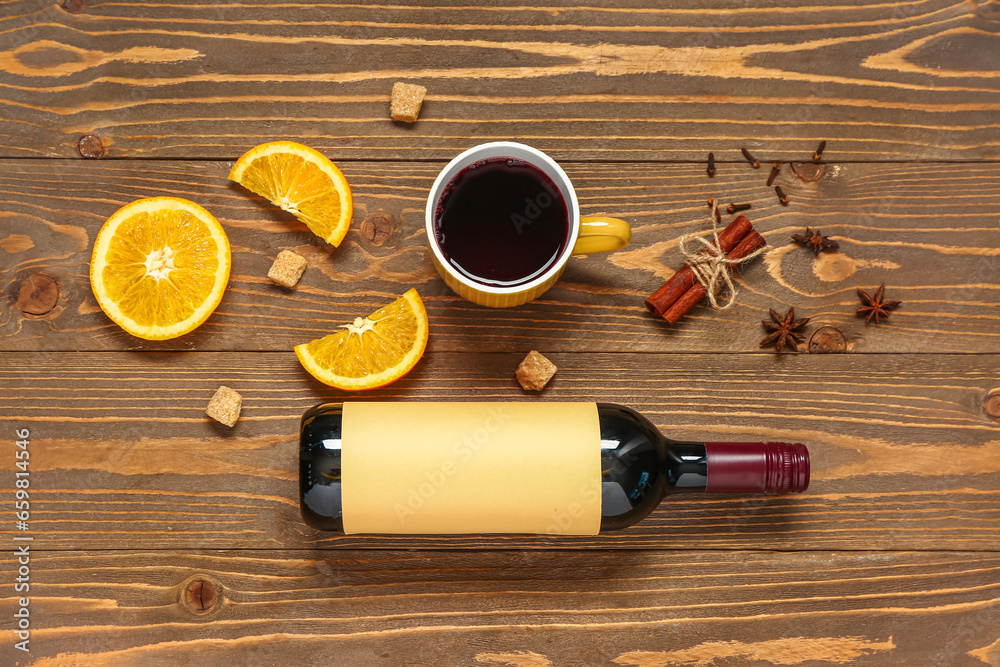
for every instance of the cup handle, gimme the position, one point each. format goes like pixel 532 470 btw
pixel 599 233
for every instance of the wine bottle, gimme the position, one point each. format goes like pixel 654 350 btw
pixel 540 467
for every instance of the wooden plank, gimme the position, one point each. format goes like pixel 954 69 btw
pixel 925 230
pixel 516 608
pixel 594 81
pixel 904 454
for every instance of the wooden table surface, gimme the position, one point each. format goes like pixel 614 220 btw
pixel 892 557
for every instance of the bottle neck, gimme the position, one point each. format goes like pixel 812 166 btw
pixel 736 467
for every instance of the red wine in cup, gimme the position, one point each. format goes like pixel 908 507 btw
pixel 501 222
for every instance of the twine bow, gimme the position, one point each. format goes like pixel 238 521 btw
pixel 711 266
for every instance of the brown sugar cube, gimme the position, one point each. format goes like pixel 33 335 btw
pixel 287 268
pixel 225 406
pixel 406 101
pixel 535 372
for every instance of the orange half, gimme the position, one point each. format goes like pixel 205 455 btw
pixel 160 266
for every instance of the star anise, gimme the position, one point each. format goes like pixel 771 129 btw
pixel 875 306
pixel 815 241
pixel 783 331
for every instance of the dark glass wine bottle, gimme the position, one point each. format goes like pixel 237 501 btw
pixel 639 467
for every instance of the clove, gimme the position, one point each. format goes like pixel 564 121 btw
pixel 774 172
pixel 819 151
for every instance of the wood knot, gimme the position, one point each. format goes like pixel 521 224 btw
pixel 992 403
pixel 378 227
pixel 73 6
pixel 90 146
pixel 827 339
pixel 38 294
pixel 200 595
pixel 808 172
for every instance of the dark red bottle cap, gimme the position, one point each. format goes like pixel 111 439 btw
pixel 756 467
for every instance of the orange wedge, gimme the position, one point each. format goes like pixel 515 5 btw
pixel 301 181
pixel 372 351
pixel 160 267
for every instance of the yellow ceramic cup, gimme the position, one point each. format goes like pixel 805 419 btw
pixel 586 235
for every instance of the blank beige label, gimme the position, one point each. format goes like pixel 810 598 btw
pixel 425 468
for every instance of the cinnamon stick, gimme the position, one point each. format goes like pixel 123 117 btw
pixel 679 283
pixel 751 243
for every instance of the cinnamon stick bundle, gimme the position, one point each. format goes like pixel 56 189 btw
pixel 750 244
pixel 662 299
